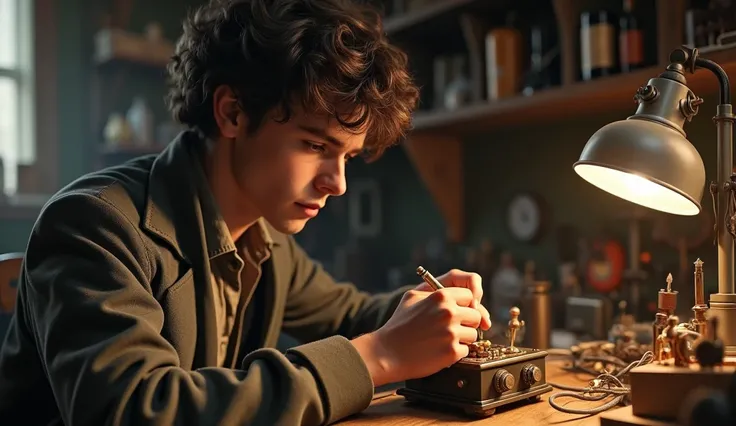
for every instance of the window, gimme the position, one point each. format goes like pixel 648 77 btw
pixel 17 118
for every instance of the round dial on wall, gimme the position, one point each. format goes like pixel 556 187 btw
pixel 525 217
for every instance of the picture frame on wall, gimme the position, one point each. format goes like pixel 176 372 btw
pixel 364 209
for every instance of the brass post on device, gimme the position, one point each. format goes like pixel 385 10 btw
pixel 514 325
pixel 666 306
pixel 700 308
pixel 667 299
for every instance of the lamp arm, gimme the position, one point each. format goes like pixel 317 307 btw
pixel 723 83
pixel 689 59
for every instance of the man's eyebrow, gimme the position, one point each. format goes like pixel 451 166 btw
pixel 322 135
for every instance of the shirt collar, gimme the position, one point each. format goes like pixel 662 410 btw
pixel 217 235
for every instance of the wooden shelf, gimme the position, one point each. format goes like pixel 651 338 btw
pixel 585 98
pixel 113 45
pixel 545 106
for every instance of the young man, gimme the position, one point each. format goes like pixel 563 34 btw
pixel 154 292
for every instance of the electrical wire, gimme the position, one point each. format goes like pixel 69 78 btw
pixel 610 364
pixel 608 385
pixel 597 356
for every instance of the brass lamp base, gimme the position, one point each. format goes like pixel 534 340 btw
pixel 477 386
pixel 723 307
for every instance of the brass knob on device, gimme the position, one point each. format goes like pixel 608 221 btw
pixel 503 381
pixel 531 374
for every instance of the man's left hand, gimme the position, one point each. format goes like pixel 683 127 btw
pixel 469 280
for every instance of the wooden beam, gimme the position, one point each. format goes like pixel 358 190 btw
pixel 438 159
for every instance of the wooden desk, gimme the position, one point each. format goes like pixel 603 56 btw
pixel 390 409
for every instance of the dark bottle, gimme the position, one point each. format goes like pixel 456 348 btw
pixel 544 60
pixel 696 20
pixel 597 44
pixel 630 40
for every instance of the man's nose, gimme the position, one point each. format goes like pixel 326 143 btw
pixel 332 181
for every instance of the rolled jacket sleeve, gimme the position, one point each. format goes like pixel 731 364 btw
pixel 343 379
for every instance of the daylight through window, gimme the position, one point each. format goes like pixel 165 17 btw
pixel 17 138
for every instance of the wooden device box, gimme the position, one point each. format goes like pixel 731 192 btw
pixel 478 386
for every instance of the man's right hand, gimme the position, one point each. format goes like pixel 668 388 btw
pixel 429 331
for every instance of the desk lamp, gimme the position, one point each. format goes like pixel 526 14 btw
pixel 647 159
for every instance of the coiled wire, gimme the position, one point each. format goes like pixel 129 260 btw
pixel 608 385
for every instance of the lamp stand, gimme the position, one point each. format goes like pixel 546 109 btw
pixel 723 191
pixel 723 303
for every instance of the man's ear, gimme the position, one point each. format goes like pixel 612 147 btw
pixel 228 115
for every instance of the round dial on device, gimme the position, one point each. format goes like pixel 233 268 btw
pixel 531 374
pixel 503 381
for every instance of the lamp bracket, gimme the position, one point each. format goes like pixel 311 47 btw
pixel 685 56
pixel 689 106
pixel 730 187
pixel 647 93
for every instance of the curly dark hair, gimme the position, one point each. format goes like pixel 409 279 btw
pixel 330 55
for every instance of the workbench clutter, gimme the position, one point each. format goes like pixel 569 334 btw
pixel 680 356
pixel 647 160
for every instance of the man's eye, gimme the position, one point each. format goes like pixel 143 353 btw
pixel 315 147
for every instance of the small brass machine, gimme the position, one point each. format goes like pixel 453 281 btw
pixel 491 376
pixel 687 355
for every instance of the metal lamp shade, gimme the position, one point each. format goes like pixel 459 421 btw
pixel 647 163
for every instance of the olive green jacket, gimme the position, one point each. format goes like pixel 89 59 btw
pixel 114 320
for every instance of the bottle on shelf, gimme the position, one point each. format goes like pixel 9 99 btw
pixel 140 117
pixel 597 44
pixel 630 39
pixel 544 59
pixel 696 18
pixel 504 67
pixel 441 75
pixel 457 92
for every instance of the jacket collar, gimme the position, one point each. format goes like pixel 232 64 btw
pixel 177 209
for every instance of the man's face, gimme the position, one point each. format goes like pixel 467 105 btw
pixel 288 171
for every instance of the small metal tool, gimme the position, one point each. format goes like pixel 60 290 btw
pixel 429 278
pixel 432 281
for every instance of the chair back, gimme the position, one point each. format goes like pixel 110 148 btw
pixel 10 265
